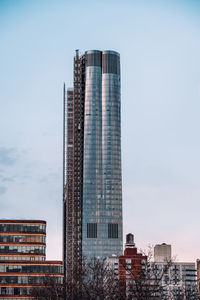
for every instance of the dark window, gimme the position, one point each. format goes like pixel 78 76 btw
pixel 94 59
pixel 22 227
pixel 110 63
pixel 112 231
pixel 3 291
pixel 16 291
pixel 92 230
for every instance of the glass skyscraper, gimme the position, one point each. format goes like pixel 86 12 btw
pixel 92 195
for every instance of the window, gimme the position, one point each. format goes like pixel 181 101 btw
pixel 112 231
pixel 91 230
pixel 3 290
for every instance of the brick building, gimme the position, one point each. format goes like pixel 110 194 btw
pixel 128 267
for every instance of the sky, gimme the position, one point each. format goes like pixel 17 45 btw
pixel 159 44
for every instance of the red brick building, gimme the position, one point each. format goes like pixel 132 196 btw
pixel 130 264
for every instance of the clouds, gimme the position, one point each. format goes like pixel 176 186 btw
pixel 2 190
pixel 31 185
pixel 8 156
pixel 159 46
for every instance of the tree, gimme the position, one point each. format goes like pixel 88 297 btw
pixel 185 292
pixel 95 281
pixel 99 281
pixel 143 279
pixel 50 290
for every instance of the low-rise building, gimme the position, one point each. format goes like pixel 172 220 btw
pixel 23 263
pixel 128 267
pixel 157 276
pixel 176 276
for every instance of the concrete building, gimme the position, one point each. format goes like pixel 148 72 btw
pixel 198 274
pixel 137 273
pixel 177 276
pixel 23 263
pixel 92 198
pixel 162 253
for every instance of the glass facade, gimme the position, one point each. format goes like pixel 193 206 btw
pixel 92 159
pixel 22 258
pixel 22 228
pixel 30 268
pixel 14 292
pixel 22 239
pixel 27 279
pixel 22 249
pixel 102 192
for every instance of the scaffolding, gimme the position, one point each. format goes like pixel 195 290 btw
pixel 73 170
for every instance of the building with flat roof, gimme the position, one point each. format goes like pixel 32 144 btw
pixel 162 253
pixel 23 263
pixel 198 274
pixel 177 277
pixel 92 198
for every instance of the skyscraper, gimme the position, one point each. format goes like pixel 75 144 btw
pixel 92 197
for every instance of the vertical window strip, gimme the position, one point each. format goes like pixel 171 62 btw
pixel 112 231
pixel 91 230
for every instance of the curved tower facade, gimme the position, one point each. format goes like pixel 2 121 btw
pixel 95 214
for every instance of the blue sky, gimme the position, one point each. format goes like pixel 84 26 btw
pixel 159 43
